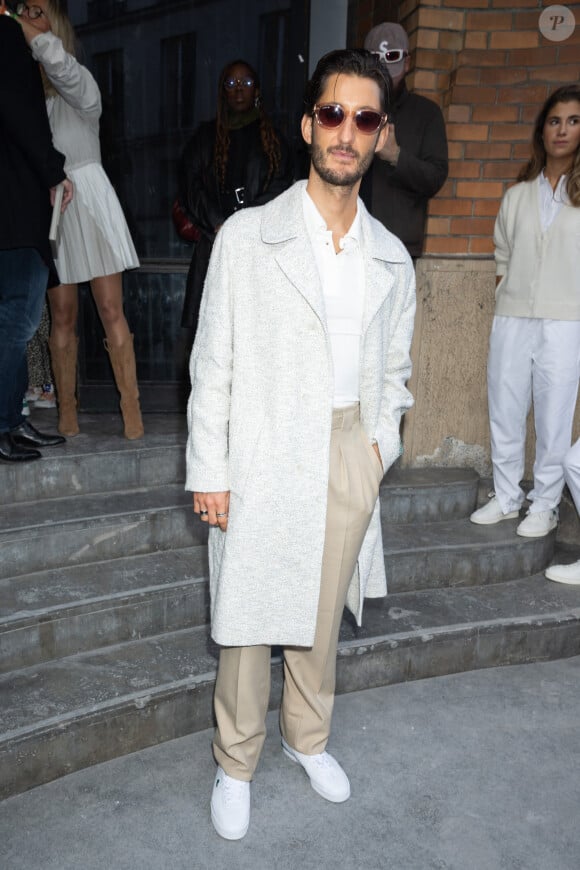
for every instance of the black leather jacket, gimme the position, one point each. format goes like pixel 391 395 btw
pixel 209 207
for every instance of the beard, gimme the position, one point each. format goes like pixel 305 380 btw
pixel 340 177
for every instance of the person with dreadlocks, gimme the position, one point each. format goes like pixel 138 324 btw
pixel 235 161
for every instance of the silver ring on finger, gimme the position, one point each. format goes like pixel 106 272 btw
pixel 221 516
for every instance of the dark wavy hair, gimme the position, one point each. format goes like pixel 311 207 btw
pixel 270 141
pixel 537 161
pixel 349 61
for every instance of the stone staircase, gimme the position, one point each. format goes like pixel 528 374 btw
pixel 104 641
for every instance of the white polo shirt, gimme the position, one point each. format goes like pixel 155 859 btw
pixel 343 285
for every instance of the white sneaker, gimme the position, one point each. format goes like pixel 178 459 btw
pixel 230 806
pixel 492 513
pixel 565 573
pixel 539 524
pixel 325 773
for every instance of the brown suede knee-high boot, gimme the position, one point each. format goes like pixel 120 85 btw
pixel 64 369
pixel 123 363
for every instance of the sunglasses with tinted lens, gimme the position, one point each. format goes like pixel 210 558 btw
pixel 332 115
pixel 34 12
pixel 231 83
pixel 391 55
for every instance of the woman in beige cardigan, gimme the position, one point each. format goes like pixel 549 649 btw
pixel 534 351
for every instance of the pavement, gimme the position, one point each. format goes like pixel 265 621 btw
pixel 473 771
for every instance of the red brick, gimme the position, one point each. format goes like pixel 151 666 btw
pixel 448 189
pixel 459 114
pixel 442 19
pixel 557 75
pixel 486 207
pixel 523 152
pixel 530 113
pixel 569 53
pixel 485 151
pixel 472 94
pixel 500 169
pixel 523 94
pixel 495 113
pixel 503 75
pixel 438 226
pixel 526 20
pixel 511 4
pixel 468 132
pixel 523 39
pixel 472 226
pixel 532 57
pixel 451 40
pixel 467 75
pixel 510 132
pixel 427 39
pixel 447 207
pixel 424 81
pixel 435 60
pixel 481 246
pixel 464 169
pixel 476 189
pixel 467 4
pixel 456 150
pixel 473 57
pixel 488 21
pixel 476 40
pixel 436 245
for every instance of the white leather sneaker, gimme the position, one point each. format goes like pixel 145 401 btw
pixel 325 773
pixel 539 524
pixel 565 573
pixel 230 806
pixel 492 513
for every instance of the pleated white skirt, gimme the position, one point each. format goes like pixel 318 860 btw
pixel 94 239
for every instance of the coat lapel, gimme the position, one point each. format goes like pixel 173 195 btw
pixel 283 226
pixel 380 253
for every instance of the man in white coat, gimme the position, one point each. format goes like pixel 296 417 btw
pixel 298 376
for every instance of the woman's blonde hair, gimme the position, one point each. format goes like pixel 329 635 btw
pixel 61 27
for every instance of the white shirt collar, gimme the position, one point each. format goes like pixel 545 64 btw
pixel 316 223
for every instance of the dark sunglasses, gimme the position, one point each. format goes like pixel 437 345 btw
pixel 34 12
pixel 232 83
pixel 332 115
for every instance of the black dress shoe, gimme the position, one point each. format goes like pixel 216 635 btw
pixel 12 452
pixel 27 436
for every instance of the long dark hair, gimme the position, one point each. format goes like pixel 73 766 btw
pixel 537 161
pixel 270 141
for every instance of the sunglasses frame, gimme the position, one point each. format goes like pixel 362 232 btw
pixel 21 8
pixel 382 55
pixel 231 83
pixel 356 115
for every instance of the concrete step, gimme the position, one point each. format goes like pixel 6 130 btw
pixel 100 459
pixel 57 613
pixel 48 534
pixel 133 514
pixel 61 716
pixel 62 611
pixel 428 494
pixel 460 553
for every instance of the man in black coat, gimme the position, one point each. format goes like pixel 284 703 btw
pixel 30 168
pixel 412 167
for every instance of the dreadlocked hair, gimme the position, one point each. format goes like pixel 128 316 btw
pixel 537 161
pixel 268 137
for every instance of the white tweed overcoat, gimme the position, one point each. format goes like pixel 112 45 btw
pixel 260 414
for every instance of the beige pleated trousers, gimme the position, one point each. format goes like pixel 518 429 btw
pixel 243 681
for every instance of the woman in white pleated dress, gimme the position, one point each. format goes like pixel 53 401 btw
pixel 94 242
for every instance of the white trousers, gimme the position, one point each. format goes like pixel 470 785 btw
pixel 539 360
pixel 572 472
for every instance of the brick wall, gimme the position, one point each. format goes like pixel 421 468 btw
pixel 488 66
